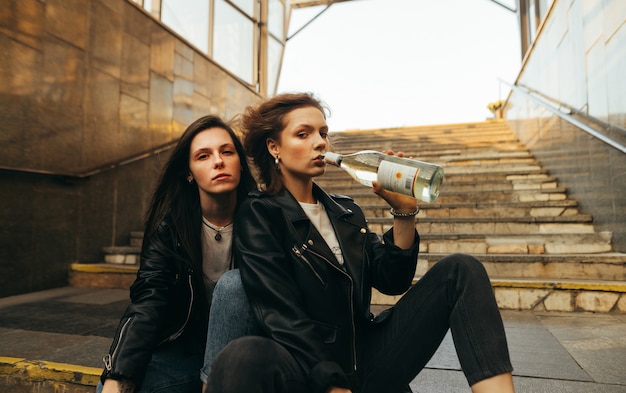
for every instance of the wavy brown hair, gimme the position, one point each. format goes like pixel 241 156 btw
pixel 267 120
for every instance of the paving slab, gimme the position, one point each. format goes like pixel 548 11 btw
pixel 534 353
pixel 597 342
pixel 448 381
pixel 54 347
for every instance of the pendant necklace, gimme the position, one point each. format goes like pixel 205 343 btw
pixel 218 235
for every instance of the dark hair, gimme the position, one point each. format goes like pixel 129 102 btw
pixel 174 199
pixel 266 120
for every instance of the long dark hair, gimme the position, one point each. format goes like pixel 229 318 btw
pixel 267 120
pixel 178 202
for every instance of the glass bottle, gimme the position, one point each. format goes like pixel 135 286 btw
pixel 421 180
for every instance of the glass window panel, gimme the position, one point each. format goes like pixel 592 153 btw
pixel 146 4
pixel 276 18
pixel 246 6
pixel 544 6
pixel 532 21
pixel 275 51
pixel 190 19
pixel 233 41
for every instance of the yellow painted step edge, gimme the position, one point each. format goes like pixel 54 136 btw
pixel 41 370
pixel 599 286
pixel 602 286
pixel 103 268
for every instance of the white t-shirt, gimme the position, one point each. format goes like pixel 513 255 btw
pixel 216 254
pixel 318 216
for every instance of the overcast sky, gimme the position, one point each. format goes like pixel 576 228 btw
pixel 389 63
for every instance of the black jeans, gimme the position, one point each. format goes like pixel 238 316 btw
pixel 454 294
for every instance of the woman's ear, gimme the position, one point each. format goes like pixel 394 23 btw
pixel 272 146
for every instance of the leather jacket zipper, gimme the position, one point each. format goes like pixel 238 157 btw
pixel 304 259
pixel 305 247
pixel 108 358
pixel 177 334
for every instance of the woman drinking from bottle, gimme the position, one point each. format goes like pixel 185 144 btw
pixel 309 262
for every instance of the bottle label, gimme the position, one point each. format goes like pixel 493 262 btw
pixel 397 177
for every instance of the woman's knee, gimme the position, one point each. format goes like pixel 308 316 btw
pixel 462 266
pixel 245 361
pixel 229 282
pixel 462 261
pixel 229 290
pixel 251 351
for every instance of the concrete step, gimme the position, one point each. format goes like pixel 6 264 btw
pixel 515 293
pixel 603 267
pixel 335 175
pixel 419 149
pixel 366 197
pixel 536 244
pixel 136 238
pixel 476 175
pixel 486 209
pixel 541 295
pixel 102 275
pixel 124 255
pixel 348 186
pixel 424 135
pixel 454 175
pixel 504 226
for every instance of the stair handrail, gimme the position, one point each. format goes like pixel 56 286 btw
pixel 567 116
pixel 96 170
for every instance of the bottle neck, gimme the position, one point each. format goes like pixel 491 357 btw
pixel 333 158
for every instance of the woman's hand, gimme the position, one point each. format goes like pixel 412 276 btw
pixel 403 227
pixel 399 202
pixel 338 390
pixel 114 386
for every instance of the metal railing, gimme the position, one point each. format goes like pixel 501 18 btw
pixel 568 115
pixel 96 170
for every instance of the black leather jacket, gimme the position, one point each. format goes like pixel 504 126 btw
pixel 303 298
pixel 168 304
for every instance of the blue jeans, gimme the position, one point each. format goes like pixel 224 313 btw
pixel 230 318
pixel 454 294
pixel 171 370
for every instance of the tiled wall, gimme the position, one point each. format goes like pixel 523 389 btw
pixel 580 60
pixel 85 84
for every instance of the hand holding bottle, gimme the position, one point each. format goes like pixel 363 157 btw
pixel 394 173
pixel 405 208
pixel 400 203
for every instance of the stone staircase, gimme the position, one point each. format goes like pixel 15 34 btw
pixel 117 271
pixel 497 203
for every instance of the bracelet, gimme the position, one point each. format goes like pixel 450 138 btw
pixel 411 214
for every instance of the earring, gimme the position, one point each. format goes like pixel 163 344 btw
pixel 276 163
pixel 189 179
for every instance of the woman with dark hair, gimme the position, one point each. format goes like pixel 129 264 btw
pixel 308 264
pixel 160 340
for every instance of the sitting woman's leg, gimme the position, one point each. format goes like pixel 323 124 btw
pixel 230 318
pixel 476 325
pixel 454 294
pixel 256 365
